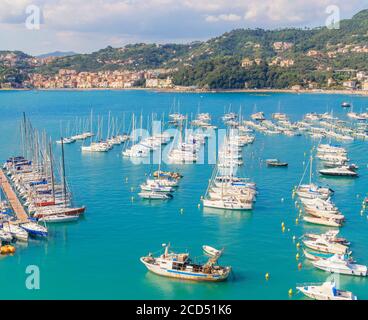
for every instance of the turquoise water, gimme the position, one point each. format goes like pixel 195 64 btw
pixel 98 257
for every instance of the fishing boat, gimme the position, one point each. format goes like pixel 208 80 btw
pixel 276 163
pixel 325 291
pixel 212 251
pixel 59 218
pixel 34 229
pixel 341 265
pixel 179 265
pixel 151 195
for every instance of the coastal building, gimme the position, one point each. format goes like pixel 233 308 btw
pixel 282 46
pixel 246 62
pixel 314 53
pixel 331 82
pixel 365 85
pixel 286 63
pixel 297 87
pixel 361 75
pixel 159 83
pixel 350 84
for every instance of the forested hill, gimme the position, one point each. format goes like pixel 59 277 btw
pixel 242 57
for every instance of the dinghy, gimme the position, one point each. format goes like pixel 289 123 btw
pixel 211 251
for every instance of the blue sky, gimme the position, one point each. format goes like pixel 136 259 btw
pixel 89 25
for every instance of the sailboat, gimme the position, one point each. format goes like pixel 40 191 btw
pixel 225 190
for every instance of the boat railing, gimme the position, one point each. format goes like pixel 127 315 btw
pixel 307 284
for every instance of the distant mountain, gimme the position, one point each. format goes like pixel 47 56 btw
pixel 57 54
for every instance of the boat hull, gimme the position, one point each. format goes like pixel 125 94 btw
pixel 185 275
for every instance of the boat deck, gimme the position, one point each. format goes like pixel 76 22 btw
pixel 12 198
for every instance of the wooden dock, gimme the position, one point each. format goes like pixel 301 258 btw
pixel 12 198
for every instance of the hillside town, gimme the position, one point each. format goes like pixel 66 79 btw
pixel 103 79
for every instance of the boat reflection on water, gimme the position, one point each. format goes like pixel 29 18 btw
pixel 228 214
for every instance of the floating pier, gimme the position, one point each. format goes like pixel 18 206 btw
pixel 12 198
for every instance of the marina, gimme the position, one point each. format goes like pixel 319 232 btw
pixel 109 185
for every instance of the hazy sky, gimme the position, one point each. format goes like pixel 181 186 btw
pixel 89 25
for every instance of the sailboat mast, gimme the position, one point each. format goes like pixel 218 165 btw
pixel 310 170
pixel 52 171
pixel 63 169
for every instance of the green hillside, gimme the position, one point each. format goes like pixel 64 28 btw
pixel 217 62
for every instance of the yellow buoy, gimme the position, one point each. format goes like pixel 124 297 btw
pixel 297 256
pixel 283 229
pixel 296 220
pixel 267 276
pixel 290 292
pixel 298 245
pixel 282 224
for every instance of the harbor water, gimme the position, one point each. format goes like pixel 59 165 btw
pixel 98 256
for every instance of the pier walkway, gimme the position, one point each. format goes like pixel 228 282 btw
pixel 12 198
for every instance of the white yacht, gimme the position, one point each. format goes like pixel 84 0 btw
pixel 59 218
pixel 340 264
pixel 339 171
pixel 325 291
pixel 323 245
pixel 152 195
pixel 34 229
pixel 5 236
pixel 17 232
pixel 323 221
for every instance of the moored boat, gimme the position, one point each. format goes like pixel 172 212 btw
pixel 59 218
pixel 342 265
pixel 212 251
pixel 151 195
pixel 179 265
pixel 34 229
pixel 325 291
pixel 276 163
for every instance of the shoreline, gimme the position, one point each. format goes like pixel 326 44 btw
pixel 189 90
